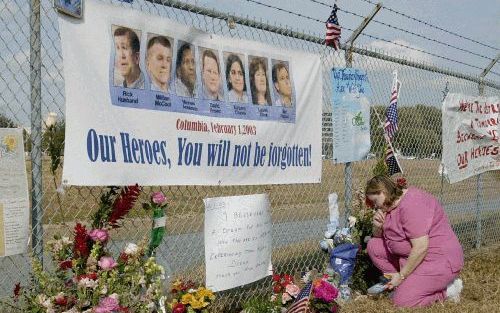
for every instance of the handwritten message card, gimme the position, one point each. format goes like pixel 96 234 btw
pixel 238 240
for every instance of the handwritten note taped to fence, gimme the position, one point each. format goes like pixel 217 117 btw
pixel 14 203
pixel 238 240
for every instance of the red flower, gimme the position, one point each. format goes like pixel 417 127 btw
pixel 61 300
pixel 91 275
pixel 179 308
pixel 287 279
pixel 66 264
pixel 401 182
pixel 276 277
pixel 277 288
pixel 123 204
pixel 17 291
pixel 81 247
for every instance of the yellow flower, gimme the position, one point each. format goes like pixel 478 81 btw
pixel 203 292
pixel 10 142
pixel 196 304
pixel 187 299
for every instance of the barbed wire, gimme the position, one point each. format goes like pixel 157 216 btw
pixel 433 26
pixel 367 35
pixel 406 31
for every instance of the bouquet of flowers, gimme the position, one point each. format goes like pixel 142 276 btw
pixel 324 295
pixel 189 298
pixel 284 289
pixel 87 277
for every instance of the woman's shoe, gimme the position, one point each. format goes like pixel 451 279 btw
pixel 454 289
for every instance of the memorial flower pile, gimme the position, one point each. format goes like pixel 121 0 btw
pixel 87 277
pixel 189 298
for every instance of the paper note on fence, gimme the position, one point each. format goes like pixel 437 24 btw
pixel 238 240
pixel 14 203
pixel 471 135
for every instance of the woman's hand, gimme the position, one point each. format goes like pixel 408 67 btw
pixel 378 219
pixel 395 280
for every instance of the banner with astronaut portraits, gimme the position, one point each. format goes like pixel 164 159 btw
pixel 155 102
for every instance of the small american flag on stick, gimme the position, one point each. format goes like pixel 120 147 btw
pixel 391 115
pixel 333 30
pixel 301 304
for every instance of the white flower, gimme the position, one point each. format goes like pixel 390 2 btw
pixel 88 283
pixel 307 277
pixel 131 249
pixel 151 305
pixel 352 221
pixel 142 281
pixel 66 241
pixel 72 310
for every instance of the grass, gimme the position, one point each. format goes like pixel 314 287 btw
pixel 481 293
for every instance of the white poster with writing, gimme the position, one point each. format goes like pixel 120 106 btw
pixel 471 143
pixel 14 201
pixel 155 102
pixel 238 240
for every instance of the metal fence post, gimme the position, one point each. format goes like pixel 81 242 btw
pixel 348 63
pixel 36 131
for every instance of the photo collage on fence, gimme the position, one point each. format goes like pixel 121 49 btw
pixel 157 72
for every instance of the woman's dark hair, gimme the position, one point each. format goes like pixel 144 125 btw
pixel 230 60
pixel 379 184
pixel 180 55
pixel 254 67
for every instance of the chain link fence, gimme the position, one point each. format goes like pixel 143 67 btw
pixel 299 212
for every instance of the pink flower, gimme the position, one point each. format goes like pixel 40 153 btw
pixel 293 290
pixel 325 291
pixel 108 305
pixel 158 197
pixel 285 297
pixel 100 235
pixel 107 263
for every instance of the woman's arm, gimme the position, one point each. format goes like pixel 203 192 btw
pixel 417 254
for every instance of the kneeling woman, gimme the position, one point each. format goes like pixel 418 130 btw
pixel 413 243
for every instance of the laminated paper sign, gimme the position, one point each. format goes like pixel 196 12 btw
pixel 14 202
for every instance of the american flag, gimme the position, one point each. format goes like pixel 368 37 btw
pixel 391 115
pixel 333 30
pixel 301 304
pixel 390 160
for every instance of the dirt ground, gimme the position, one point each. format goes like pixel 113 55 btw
pixel 481 293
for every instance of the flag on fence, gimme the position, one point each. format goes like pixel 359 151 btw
pixel 391 115
pixel 333 30
pixel 390 160
pixel 301 304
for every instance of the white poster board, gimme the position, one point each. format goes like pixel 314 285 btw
pixel 470 135
pixel 238 240
pixel 14 202
pixel 133 119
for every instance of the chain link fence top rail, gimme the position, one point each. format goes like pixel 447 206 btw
pixel 299 211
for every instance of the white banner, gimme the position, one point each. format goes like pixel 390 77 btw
pixel 238 240
pixel 14 201
pixel 470 135
pixel 154 102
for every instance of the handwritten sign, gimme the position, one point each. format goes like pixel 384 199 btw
pixel 350 114
pixel 238 240
pixel 14 203
pixel 470 135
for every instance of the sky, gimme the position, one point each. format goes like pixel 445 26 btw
pixel 479 20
